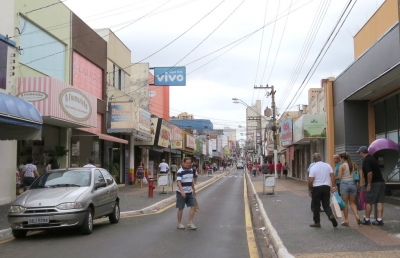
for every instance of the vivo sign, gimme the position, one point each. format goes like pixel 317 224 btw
pixel 170 76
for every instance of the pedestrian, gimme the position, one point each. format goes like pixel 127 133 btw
pixel 52 164
pixel 308 173
pixel 271 167
pixel 140 173
pixel 265 168
pixel 18 182
pixel 285 169
pixel 250 168
pixel 185 193
pixel 163 167
pixel 279 168
pixel 349 187
pixel 224 165
pixel 254 169
pixel 90 163
pixel 375 185
pixel 338 163
pixel 195 173
pixel 258 169
pixel 29 172
pixel 319 184
pixel 174 168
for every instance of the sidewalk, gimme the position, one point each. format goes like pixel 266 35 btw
pixel 132 197
pixel 290 214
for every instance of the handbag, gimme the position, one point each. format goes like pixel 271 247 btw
pixel 145 180
pixel 335 207
pixel 340 201
pixel 360 201
pixel 356 176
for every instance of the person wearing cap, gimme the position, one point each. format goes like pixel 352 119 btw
pixel 375 185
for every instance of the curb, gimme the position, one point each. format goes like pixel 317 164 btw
pixel 277 243
pixel 7 233
pixel 164 203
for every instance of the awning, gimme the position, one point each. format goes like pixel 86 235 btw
pixel 110 138
pixel 19 119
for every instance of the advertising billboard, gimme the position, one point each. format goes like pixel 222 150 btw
pixel 165 133
pixel 286 134
pixel 190 142
pixel 121 115
pixel 170 76
pixel 314 126
pixel 144 119
pixel 153 128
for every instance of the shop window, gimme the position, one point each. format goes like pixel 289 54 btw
pixel 41 51
pixel 379 109
pixel 391 114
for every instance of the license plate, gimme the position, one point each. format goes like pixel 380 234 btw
pixel 38 220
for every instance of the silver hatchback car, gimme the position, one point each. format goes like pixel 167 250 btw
pixel 62 198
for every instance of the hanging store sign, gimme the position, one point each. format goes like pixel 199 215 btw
pixel 144 121
pixel 286 134
pixel 190 142
pixel 32 96
pixel 170 76
pixel 164 133
pixel 176 145
pixel 121 115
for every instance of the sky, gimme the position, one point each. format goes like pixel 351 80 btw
pixel 275 55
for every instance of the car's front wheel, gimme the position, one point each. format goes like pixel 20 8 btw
pixel 19 233
pixel 115 215
pixel 87 225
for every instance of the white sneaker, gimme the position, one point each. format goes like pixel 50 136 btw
pixel 181 226
pixel 191 226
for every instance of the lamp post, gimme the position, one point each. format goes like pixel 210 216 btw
pixel 236 100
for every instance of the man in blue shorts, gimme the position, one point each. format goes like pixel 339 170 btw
pixel 185 193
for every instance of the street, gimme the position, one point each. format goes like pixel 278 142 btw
pixel 221 231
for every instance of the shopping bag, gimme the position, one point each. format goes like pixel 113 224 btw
pixel 335 207
pixel 340 201
pixel 145 181
pixel 360 201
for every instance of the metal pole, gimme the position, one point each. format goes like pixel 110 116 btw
pixel 274 136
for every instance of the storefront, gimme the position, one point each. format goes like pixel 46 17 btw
pixel 286 142
pixel 20 121
pixel 62 107
pixel 126 118
pixel 176 145
pixel 309 133
pixel 189 145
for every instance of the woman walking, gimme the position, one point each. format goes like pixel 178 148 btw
pixel 29 172
pixel 285 169
pixel 140 173
pixel 348 187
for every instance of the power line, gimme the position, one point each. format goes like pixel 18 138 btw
pixel 280 42
pixel 311 35
pixel 259 53
pixel 34 10
pixel 311 72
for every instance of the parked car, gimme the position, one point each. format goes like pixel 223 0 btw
pixel 239 165
pixel 64 198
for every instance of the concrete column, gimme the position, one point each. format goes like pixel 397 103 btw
pixel 65 140
pixel 132 159
pixel 330 124
pixel 8 161
pixel 145 157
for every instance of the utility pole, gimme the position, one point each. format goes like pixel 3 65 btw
pixel 274 128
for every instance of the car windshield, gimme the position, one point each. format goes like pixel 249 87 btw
pixel 63 178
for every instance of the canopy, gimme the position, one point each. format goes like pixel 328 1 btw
pixel 19 119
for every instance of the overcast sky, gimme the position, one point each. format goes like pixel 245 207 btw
pixel 209 90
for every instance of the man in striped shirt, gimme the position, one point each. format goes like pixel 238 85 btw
pixel 185 193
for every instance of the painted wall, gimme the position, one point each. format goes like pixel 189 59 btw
pixel 158 99
pixel 380 22
pixel 46 18
pixel 8 159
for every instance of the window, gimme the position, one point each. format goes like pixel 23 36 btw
pixel 3 65
pixel 108 177
pixel 119 78
pixel 98 177
pixel 41 51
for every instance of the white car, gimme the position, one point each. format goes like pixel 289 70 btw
pixel 239 165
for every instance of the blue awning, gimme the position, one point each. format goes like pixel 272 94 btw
pixel 19 119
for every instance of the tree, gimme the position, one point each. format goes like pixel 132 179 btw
pixel 57 152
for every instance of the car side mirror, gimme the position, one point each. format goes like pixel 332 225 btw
pixel 100 185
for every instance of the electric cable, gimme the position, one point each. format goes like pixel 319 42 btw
pixel 311 35
pixel 301 87
pixel 259 53
pixel 40 8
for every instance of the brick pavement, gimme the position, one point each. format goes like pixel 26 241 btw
pixel 289 212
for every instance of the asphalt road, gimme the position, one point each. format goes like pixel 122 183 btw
pixel 221 232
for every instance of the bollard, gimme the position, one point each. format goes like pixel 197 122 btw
pixel 151 187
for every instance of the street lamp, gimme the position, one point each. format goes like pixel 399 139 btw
pixel 236 101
